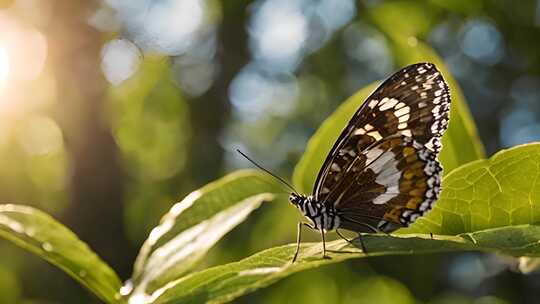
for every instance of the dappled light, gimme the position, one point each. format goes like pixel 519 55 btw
pixel 169 27
pixel 122 120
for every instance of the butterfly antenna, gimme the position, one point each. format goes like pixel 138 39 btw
pixel 267 171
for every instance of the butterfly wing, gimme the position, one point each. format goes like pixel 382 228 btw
pixel 388 185
pixel 414 103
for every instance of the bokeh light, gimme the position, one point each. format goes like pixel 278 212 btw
pixel 254 94
pixel 171 23
pixel 40 135
pixel 168 27
pixel 26 48
pixel 119 60
pixel 23 53
pixel 279 31
pixel 482 41
pixel 195 71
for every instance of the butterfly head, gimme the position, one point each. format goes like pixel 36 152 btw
pixel 297 199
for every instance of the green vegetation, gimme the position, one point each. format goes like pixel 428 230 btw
pixel 486 205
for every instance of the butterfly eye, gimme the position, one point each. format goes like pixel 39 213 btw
pixel 293 198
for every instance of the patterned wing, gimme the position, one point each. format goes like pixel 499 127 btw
pixel 414 102
pixel 388 185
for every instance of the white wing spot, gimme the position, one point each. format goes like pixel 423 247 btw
pixel 406 132
pixel 372 103
pixel 335 167
pixel 414 216
pixel 399 105
pixel 384 166
pixel 388 103
pixel 424 206
pixel 404 118
pixel 375 134
pixel 360 131
pixel 403 111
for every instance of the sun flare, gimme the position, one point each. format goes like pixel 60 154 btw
pixel 4 67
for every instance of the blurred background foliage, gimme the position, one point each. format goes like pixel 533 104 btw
pixel 110 111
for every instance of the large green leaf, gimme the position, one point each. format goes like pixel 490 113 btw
pixel 40 234
pixel 501 191
pixel 224 283
pixel 488 205
pixel 460 142
pixel 195 224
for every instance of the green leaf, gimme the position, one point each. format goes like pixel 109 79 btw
pixel 489 205
pixel 227 282
pixel 501 191
pixel 461 143
pixel 195 224
pixel 43 236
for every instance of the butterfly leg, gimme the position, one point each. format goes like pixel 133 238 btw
pixel 364 250
pixel 341 236
pixel 323 245
pixel 298 238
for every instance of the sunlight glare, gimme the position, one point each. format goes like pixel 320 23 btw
pixel 4 67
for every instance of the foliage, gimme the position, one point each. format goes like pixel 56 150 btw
pixel 40 234
pixel 486 205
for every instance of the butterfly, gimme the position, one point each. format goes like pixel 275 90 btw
pixel 382 172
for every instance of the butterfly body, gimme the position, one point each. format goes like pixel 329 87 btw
pixel 382 172
pixel 322 216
